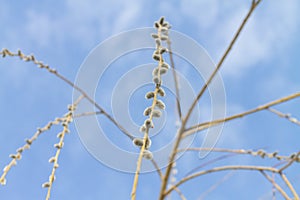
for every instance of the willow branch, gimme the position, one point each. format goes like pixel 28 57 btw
pixel 218 169
pixel 186 118
pixel 205 125
pixel 40 64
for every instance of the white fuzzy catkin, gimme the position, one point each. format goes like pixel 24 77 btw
pixel 160 104
pixel 138 142
pixel 161 92
pixel 143 129
pixel 147 111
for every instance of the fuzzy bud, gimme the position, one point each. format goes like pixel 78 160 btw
pixel 156 57
pixel 138 142
pixel 164 37
pixel 161 20
pixel 52 160
pixel 155 71
pixel 156 80
pixel 156 113
pixel 46 185
pixel 163 50
pixel 148 123
pixel 160 104
pixel 3 181
pixel 165 65
pixel 148 155
pixel 28 141
pixel 149 95
pixel 147 111
pixel 163 71
pixel 58 145
pixel 143 129
pixel 158 42
pixel 161 92
pixel 155 36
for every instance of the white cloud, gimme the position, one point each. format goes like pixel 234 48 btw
pixel 204 12
pixel 266 35
pixel 82 21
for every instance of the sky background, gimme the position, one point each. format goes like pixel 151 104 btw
pixel 263 66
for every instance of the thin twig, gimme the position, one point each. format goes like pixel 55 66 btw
pixel 31 58
pixel 87 114
pixel 26 146
pixel 186 118
pixel 205 125
pixel 280 190
pixel 213 187
pixel 218 169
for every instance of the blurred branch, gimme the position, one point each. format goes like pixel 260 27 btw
pixel 205 125
pixel 213 187
pixel 87 114
pixel 286 116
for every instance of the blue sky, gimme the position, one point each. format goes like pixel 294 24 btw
pixel 262 66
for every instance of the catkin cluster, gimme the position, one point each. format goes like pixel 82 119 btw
pixel 155 110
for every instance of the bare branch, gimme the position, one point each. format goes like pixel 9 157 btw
pixel 286 116
pixel 213 187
